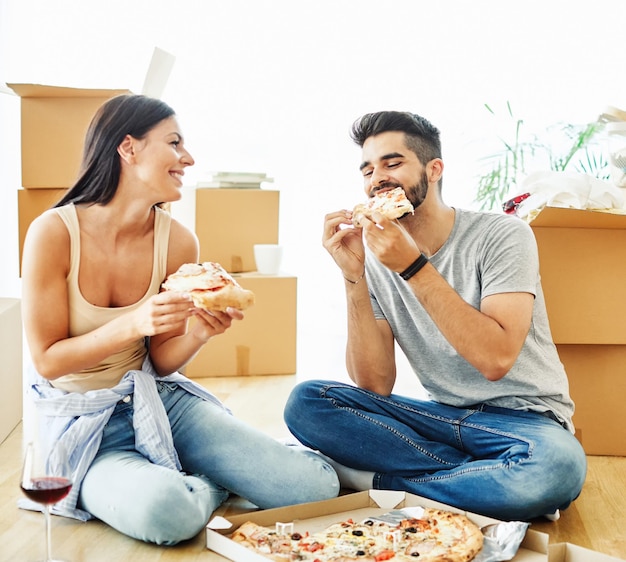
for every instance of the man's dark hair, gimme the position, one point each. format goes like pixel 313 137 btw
pixel 127 114
pixel 421 136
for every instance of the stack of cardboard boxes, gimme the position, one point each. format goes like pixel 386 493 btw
pixel 582 255
pixel 228 222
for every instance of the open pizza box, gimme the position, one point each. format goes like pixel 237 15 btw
pixel 317 516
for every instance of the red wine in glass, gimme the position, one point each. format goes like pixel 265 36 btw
pixel 47 489
pixel 45 486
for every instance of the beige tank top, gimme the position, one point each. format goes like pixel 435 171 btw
pixel 85 317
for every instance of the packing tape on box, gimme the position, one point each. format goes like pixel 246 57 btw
pixel 243 359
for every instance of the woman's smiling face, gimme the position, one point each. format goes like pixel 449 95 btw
pixel 161 159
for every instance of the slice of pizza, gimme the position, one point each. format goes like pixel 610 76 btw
pixel 441 535
pixel 265 541
pixel 211 287
pixel 392 204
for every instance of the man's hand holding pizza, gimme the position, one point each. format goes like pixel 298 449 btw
pixel 376 219
pixel 389 241
pixel 344 244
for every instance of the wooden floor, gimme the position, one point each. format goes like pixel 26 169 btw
pixel 597 520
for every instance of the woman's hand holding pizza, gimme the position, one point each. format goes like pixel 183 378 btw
pixel 169 310
pixel 161 313
pixel 213 323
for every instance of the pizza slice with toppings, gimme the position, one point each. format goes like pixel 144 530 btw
pixel 211 287
pixel 391 203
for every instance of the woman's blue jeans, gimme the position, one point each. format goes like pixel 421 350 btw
pixel 219 454
pixel 507 464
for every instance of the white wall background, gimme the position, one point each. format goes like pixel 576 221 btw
pixel 274 85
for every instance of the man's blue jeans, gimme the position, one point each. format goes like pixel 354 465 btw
pixel 508 464
pixel 219 454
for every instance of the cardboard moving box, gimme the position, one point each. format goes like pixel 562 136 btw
pixel 583 270
pixel 597 374
pixel 54 122
pixel 318 515
pixel 264 342
pixel 228 222
pixel 30 204
pixel 582 257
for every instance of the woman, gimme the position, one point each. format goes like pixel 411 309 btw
pixel 153 454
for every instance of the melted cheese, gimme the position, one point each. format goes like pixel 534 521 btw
pixel 196 276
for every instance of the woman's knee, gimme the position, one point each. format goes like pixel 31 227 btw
pixel 149 502
pixel 179 511
pixel 318 482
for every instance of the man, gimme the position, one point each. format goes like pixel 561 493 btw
pixel 460 292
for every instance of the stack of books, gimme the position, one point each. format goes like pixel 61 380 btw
pixel 235 180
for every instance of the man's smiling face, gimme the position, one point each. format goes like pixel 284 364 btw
pixel 388 163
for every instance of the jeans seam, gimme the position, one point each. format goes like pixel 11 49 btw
pixel 391 430
pixel 460 472
pixel 458 424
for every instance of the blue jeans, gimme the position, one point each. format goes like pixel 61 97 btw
pixel 219 454
pixel 507 464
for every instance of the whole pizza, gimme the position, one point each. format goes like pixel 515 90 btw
pixel 436 536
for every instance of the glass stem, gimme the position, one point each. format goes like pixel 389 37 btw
pixel 46 512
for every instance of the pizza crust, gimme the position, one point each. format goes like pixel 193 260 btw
pixel 230 296
pixel 210 286
pixel 392 204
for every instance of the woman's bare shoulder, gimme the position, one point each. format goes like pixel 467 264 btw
pixel 47 244
pixel 183 246
pixel 48 228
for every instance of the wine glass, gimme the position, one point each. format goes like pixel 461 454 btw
pixel 45 484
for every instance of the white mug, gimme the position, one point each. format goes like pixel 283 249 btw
pixel 267 258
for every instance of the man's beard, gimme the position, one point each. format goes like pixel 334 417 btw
pixel 417 193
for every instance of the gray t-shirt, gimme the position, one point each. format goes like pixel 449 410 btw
pixel 485 254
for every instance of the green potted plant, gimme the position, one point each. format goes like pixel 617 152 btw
pixel 505 169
